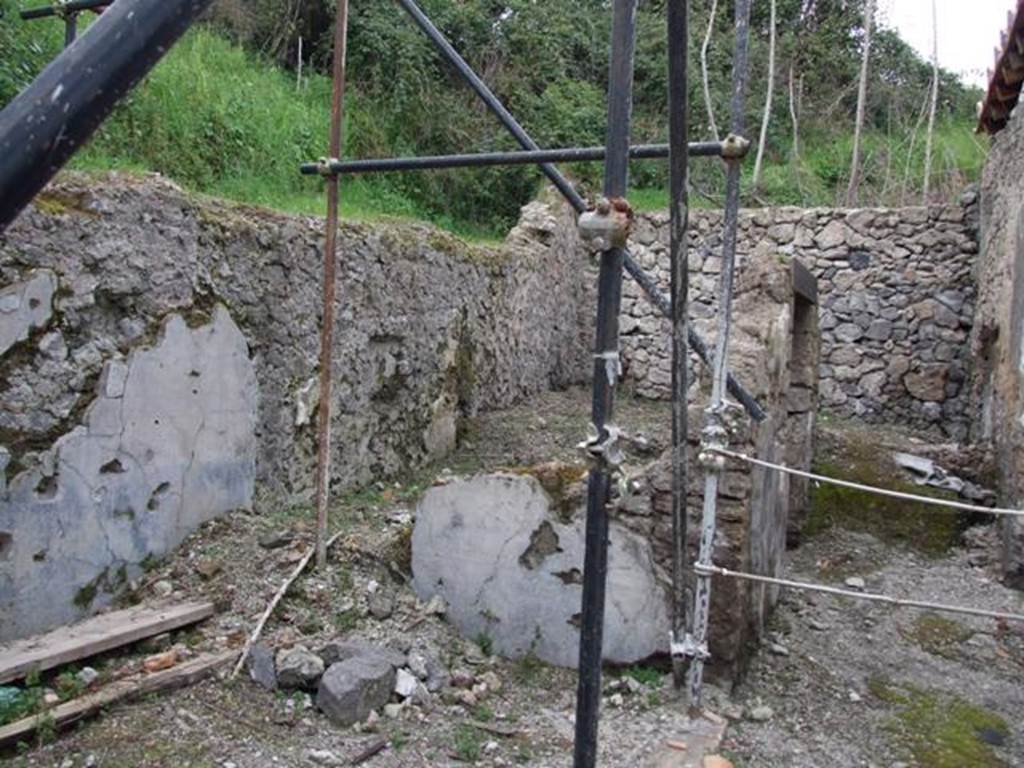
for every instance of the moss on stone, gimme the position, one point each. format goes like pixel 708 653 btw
pixel 60 203
pixel 945 731
pixel 84 596
pixel 937 635
pixel 558 479
pixel 882 689
pixel 927 528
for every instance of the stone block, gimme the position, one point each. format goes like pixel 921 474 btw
pixel 350 690
pixel 508 568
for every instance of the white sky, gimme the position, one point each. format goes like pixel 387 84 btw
pixel 968 31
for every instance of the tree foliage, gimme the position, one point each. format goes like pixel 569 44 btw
pixel 547 60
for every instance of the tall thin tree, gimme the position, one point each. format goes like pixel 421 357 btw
pixel 712 13
pixel 794 116
pixel 862 97
pixel 766 118
pixel 926 188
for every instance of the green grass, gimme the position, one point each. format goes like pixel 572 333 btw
pixel 221 121
pixel 468 743
pixel 649 676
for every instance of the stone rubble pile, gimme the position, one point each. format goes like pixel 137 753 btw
pixel 355 681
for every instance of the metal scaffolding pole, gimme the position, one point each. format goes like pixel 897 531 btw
pixel 715 433
pixel 70 28
pixel 679 214
pixel 484 159
pixel 644 280
pixel 606 371
pixel 63 8
pixel 323 465
pixel 47 122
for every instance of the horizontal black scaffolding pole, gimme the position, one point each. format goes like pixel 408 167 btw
pixel 47 122
pixel 530 157
pixel 61 9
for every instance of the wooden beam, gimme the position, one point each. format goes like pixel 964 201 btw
pixel 123 690
pixel 96 635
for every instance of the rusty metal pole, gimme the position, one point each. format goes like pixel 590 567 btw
pixel 323 466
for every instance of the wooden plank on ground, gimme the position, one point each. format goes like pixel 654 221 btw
pixel 61 716
pixel 96 635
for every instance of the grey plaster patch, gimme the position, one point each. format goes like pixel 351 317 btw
pixel 168 443
pixel 26 306
pixel 492 547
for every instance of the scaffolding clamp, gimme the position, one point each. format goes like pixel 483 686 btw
pixel 604 452
pixel 608 225
pixel 612 365
pixel 688 648
pixel 61 10
pixel 324 166
pixel 735 147
pixel 720 424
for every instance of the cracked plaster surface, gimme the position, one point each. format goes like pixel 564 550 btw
pixel 468 546
pixel 167 444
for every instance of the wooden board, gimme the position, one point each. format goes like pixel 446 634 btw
pixel 123 690
pixel 96 635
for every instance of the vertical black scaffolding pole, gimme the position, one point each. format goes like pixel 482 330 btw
pixel 70 28
pixel 678 122
pixel 606 347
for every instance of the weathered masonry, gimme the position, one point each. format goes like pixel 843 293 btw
pixel 159 359
pixel 897 304
pixel 505 550
pixel 119 288
pixel 997 341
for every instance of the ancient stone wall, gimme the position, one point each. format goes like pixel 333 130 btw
pixel 897 304
pixel 997 340
pixel 158 366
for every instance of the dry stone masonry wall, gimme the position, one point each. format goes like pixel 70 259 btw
pixel 158 366
pixel 897 302
pixel 997 341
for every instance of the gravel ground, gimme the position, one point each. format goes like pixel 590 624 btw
pixel 837 682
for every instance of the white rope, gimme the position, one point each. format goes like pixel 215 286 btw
pixel 713 570
pixel 869 488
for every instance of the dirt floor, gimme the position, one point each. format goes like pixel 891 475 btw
pixel 836 682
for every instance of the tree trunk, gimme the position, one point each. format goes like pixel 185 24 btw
pixel 862 97
pixel 794 116
pixel 766 118
pixel 704 70
pixel 931 109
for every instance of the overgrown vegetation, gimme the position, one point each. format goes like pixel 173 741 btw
pixel 226 114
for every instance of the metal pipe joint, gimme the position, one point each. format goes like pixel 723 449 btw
pixel 735 147
pixel 608 225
